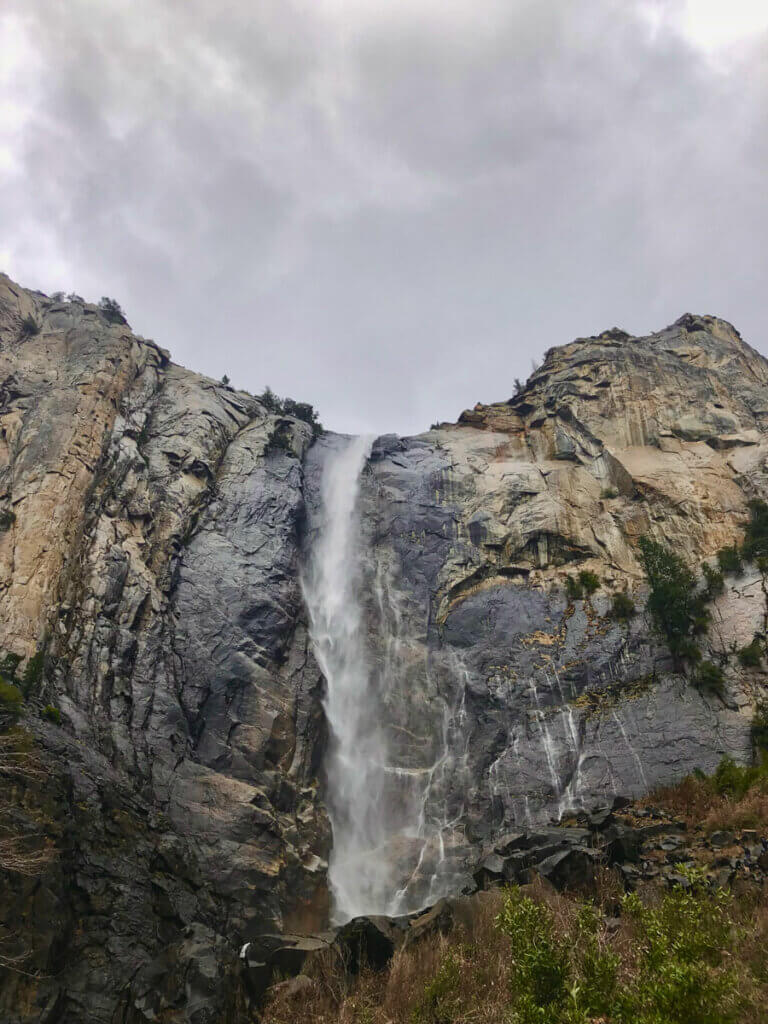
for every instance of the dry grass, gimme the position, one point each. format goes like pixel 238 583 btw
pixel 480 953
pixel 21 852
pixel 478 948
pixel 696 801
pixel 388 997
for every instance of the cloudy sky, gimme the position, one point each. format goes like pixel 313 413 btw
pixel 387 207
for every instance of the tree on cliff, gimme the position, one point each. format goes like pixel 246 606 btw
pixel 112 311
pixel 677 608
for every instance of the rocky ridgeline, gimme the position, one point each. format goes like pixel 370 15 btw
pixel 153 524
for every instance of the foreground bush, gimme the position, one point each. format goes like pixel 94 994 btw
pixel 692 955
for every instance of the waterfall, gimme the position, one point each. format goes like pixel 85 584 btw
pixel 396 810
pixel 332 593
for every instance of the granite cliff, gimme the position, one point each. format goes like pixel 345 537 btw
pixel 156 528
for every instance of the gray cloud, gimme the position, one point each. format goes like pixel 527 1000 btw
pixel 385 209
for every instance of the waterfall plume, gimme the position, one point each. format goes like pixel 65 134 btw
pixel 332 593
pixel 398 745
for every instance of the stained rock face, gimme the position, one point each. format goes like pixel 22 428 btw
pixel 153 553
pixel 156 527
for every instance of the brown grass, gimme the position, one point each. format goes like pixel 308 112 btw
pixel 21 852
pixel 388 997
pixel 697 803
pixel 481 952
pixel 479 948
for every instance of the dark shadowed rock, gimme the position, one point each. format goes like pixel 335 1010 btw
pixel 365 942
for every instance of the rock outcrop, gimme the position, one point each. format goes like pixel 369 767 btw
pixel 155 524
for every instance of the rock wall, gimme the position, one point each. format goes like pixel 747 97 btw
pixel 158 524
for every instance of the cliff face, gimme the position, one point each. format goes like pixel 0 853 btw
pixel 160 521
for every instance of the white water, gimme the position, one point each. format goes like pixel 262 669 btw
pixel 331 591
pixel 393 811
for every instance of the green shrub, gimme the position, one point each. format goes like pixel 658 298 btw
pixel 270 401
pixel 112 311
pixel 288 407
pixel 442 995
pixel 573 588
pixel 709 677
pixel 52 714
pixel 623 607
pixel 305 412
pixel 609 492
pixel 714 580
pixel 689 650
pixel 596 965
pixel 29 327
pixel 756 537
pixel 7 519
pixel 734 780
pixel 33 673
pixel 589 581
pixel 752 655
pixel 11 699
pixel 729 559
pixel 280 441
pixel 676 607
pixel 760 725
pixel 540 967
pixel 679 968
pixel 9 664
pixel 685 974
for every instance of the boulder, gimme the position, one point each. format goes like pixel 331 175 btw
pixel 365 942
pixel 572 868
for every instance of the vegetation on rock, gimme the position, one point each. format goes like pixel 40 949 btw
pixel 751 656
pixel 112 311
pixel 288 407
pixel 714 581
pixel 15 689
pixel 709 676
pixel 52 714
pixel 622 607
pixel 729 559
pixel 760 725
pixel 589 581
pixel 11 701
pixel 29 327
pixel 677 607
pixel 735 796
pixel 585 583
pixel 756 539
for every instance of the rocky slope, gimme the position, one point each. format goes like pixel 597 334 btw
pixel 157 522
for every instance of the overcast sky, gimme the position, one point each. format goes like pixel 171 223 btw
pixel 387 207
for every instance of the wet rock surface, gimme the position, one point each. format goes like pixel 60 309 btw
pixel 156 523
